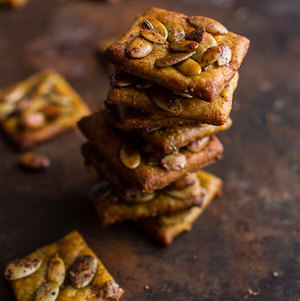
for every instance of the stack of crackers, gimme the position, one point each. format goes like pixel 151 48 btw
pixel 171 93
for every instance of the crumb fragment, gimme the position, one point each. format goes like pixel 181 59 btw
pixel 34 161
pixel 146 287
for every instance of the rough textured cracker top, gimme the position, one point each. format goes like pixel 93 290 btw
pixel 207 85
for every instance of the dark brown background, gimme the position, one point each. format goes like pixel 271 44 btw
pixel 245 236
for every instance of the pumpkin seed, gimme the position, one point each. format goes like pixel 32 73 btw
pixel 130 156
pixel 184 94
pixel 56 270
pixel 175 32
pixel 165 101
pixel 143 84
pixel 15 94
pixel 21 268
pixel 210 56
pixel 53 111
pixel 172 218
pixel 111 290
pixel 157 26
pixel 123 79
pixel 209 24
pixel 82 271
pixel 184 46
pixel 175 161
pixel 141 197
pixel 225 57
pixel 32 120
pixel 198 145
pixel 47 291
pixel 189 192
pixel 173 59
pixel 148 24
pixel 34 161
pixel 189 67
pixel 208 41
pixel 185 181
pixel 152 36
pixel 197 35
pixel 139 48
pixel 153 159
pixel 199 51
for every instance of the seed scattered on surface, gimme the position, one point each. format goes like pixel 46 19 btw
pixel 47 291
pixel 210 56
pixel 198 145
pixel 158 27
pixel 34 161
pixel 123 79
pixel 173 59
pixel 184 46
pixel 225 57
pixel 174 161
pixel 130 156
pixel 152 36
pixel 209 24
pixel 189 67
pixel 56 270
pixel 139 48
pixel 21 268
pixel 82 271
pixel 175 32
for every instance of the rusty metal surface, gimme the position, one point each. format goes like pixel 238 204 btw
pixel 244 237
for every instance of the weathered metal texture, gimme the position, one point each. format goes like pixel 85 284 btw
pixel 244 237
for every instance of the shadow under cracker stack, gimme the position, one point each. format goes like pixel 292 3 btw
pixel 171 94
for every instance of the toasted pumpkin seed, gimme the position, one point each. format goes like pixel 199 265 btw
pixel 208 41
pixel 139 48
pixel 148 24
pixel 152 36
pixel 183 94
pixel 130 156
pixel 34 161
pixel 225 57
pixel 141 197
pixel 123 79
pixel 199 51
pixel 56 270
pixel 189 67
pixel 32 120
pixel 53 111
pixel 184 46
pixel 209 24
pixel 165 102
pixel 185 181
pixel 82 271
pixel 190 192
pixel 173 59
pixel 175 161
pixel 143 84
pixel 159 27
pixel 197 35
pixel 48 291
pixel 198 145
pixel 175 32
pixel 21 268
pixel 210 56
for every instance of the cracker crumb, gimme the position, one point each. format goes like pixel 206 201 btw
pixel 275 274
pixel 146 287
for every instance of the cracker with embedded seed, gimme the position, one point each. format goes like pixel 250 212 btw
pixel 108 142
pixel 156 63
pixel 65 270
pixel 165 228
pixel 39 108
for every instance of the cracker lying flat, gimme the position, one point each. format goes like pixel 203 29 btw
pixel 109 143
pixel 207 85
pixel 216 112
pixel 165 228
pixel 58 276
pixel 39 108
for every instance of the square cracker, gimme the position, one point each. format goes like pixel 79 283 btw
pixel 216 112
pixel 165 228
pixel 68 248
pixel 108 142
pixel 46 96
pixel 207 85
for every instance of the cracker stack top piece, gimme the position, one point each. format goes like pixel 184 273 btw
pixel 178 43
